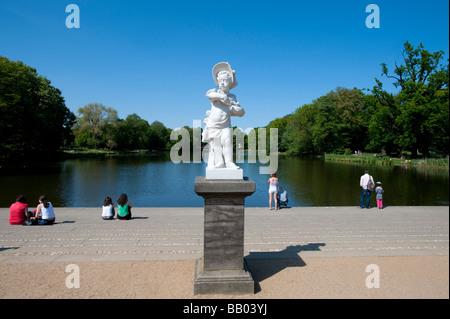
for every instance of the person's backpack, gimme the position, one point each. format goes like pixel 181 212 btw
pixel 371 184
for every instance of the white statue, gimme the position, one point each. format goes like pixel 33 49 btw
pixel 218 131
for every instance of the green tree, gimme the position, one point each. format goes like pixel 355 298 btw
pixel 298 135
pixel 158 136
pixel 419 111
pixel 135 132
pixel 112 135
pixel 383 129
pixel 332 123
pixel 282 125
pixel 33 116
pixel 91 123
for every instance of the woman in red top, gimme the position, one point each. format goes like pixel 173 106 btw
pixel 18 212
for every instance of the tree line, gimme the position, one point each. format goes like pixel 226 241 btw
pixel 34 120
pixel 35 123
pixel 99 126
pixel 414 120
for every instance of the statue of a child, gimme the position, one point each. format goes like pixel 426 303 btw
pixel 218 131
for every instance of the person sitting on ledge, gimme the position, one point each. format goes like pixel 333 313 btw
pixel 124 207
pixel 18 212
pixel 108 209
pixel 44 212
pixel 282 197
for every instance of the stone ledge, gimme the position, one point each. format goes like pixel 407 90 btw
pixel 204 186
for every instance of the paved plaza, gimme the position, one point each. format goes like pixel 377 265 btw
pixel 80 234
pixel 280 247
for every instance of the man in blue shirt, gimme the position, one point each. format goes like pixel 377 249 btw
pixel 282 197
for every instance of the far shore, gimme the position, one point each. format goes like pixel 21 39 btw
pixel 378 159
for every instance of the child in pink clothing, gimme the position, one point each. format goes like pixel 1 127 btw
pixel 379 191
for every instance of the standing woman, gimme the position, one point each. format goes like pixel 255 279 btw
pixel 273 182
pixel 44 212
pixel 124 207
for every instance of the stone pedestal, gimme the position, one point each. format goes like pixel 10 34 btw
pixel 222 268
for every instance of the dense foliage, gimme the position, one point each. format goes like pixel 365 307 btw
pixel 100 127
pixel 415 119
pixel 34 120
pixel 331 123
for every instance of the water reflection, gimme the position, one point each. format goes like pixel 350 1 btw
pixel 154 181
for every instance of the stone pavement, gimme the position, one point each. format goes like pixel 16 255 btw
pixel 80 235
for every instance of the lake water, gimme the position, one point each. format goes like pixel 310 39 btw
pixel 154 181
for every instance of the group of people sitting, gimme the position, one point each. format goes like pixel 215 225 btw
pixel 19 214
pixel 123 205
pixel 45 215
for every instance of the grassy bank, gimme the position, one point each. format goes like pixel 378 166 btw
pixel 371 158
pixel 87 153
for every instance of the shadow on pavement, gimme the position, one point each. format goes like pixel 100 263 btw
pixel 263 265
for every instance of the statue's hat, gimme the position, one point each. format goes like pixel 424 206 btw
pixel 224 66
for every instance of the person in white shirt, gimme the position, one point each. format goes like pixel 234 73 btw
pixel 44 212
pixel 365 192
pixel 108 209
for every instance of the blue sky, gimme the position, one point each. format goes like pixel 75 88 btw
pixel 154 58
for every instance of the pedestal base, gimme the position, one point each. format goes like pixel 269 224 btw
pixel 229 282
pixel 222 269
